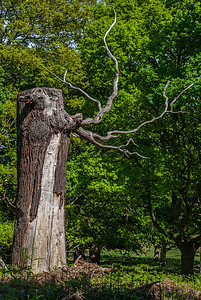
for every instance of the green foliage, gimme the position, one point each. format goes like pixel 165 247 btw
pixel 6 235
pixel 41 39
pixel 99 209
pixel 8 174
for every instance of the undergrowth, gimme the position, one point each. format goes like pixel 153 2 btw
pixel 117 278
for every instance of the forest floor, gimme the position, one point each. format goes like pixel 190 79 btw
pixel 119 276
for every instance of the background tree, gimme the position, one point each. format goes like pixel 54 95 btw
pixel 173 193
pixel 99 210
pixel 7 166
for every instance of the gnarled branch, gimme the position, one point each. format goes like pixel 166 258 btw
pixel 102 111
pixel 93 137
pixel 98 139
pixel 111 134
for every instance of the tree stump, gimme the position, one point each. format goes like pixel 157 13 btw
pixel 44 129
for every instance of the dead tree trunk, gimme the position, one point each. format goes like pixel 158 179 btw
pixel 44 129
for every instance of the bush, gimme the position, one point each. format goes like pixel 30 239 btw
pixel 6 238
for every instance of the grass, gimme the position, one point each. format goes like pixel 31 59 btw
pixel 128 273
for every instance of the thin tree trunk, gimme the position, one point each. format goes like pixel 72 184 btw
pixel 94 254
pixel 156 252
pixel 163 254
pixel 43 139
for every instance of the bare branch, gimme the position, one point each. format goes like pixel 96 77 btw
pixel 6 200
pixel 164 94
pixel 3 265
pixel 104 39
pixel 93 137
pixel 96 138
pixel 165 111
pixel 171 104
pixel 108 106
pixel 102 111
pixel 77 88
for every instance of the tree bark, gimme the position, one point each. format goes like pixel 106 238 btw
pixel 44 129
pixel 187 258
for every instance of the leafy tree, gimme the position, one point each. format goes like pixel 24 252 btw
pixel 177 213
pixel 8 174
pixel 39 37
pixel 173 193
pixel 99 209
pixel 8 141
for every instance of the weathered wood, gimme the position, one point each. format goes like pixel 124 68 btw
pixel 44 129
